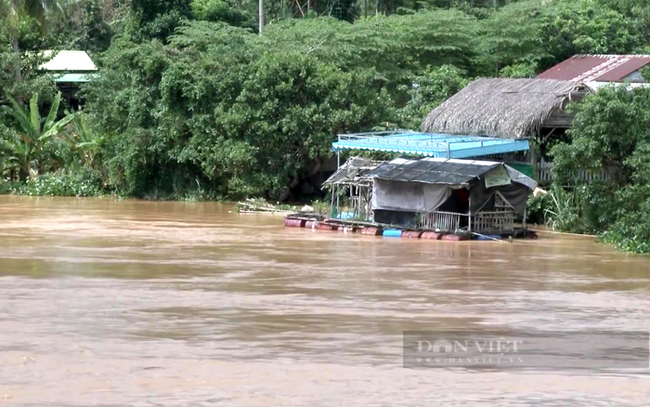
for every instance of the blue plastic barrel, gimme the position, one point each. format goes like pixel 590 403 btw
pixel 392 233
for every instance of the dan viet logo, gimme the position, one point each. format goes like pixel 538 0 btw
pixel 459 352
pixel 503 349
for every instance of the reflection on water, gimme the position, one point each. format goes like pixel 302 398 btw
pixel 114 303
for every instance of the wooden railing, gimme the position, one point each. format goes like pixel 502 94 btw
pixel 493 222
pixel 444 221
pixel 483 222
pixel 545 170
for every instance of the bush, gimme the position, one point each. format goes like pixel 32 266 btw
pixel 83 183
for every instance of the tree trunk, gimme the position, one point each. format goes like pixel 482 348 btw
pixel 261 16
pixel 16 48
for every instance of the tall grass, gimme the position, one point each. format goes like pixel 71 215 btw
pixel 566 208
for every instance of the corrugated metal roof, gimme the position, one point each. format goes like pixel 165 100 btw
pixel 70 61
pixel 355 170
pixel 444 171
pixel 433 170
pixel 429 144
pixel 602 68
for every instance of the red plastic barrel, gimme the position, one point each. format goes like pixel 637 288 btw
pixel 455 238
pixel 294 223
pixel 325 226
pixel 430 235
pixel 371 231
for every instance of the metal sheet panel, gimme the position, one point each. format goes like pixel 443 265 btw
pixel 429 144
pixel 607 68
pixel 452 172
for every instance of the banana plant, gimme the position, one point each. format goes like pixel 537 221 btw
pixel 85 140
pixel 21 156
pixel 35 131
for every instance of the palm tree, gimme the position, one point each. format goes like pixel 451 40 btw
pixel 33 8
pixel 34 131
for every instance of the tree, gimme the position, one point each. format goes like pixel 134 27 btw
pixel 35 9
pixel 81 26
pixel 214 106
pixel 430 90
pixel 157 18
pixel 283 122
pixel 541 33
pixel 24 18
pixel 607 130
pixel 611 132
pixel 225 11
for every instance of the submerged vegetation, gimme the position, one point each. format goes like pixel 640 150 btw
pixel 192 103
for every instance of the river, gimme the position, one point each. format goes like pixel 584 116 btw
pixel 109 302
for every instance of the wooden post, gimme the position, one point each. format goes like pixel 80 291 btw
pixel 524 224
pixel 337 201
pixel 469 212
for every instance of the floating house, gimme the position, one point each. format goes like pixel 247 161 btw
pixel 441 194
pixel 450 195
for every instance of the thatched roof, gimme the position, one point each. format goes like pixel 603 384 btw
pixel 506 108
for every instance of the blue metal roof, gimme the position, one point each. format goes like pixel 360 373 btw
pixel 429 144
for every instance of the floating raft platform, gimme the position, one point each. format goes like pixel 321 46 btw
pixel 319 222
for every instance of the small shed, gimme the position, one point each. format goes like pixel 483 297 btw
pixel 69 69
pixel 449 194
pixel 352 177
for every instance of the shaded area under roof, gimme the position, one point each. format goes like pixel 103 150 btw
pixel 596 86
pixel 429 144
pixel 74 78
pixel 601 68
pixel 503 108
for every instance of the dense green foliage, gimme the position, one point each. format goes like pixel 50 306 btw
pixel 193 102
pixel 611 132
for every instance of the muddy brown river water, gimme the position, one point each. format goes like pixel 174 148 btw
pixel 128 303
